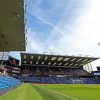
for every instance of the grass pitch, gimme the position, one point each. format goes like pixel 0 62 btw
pixel 54 92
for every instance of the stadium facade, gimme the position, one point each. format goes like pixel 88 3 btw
pixel 43 68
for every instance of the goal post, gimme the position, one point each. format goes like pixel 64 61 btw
pixel 77 81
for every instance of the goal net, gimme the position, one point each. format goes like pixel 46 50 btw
pixel 79 81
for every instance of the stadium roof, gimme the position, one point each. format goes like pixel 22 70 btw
pixel 54 60
pixel 12 37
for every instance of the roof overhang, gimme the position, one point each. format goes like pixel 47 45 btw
pixel 54 60
pixel 12 36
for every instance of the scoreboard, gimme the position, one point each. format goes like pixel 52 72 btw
pixel 13 61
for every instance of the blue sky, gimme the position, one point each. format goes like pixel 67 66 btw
pixel 68 27
pixel 47 21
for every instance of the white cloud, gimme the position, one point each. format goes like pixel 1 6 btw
pixel 88 29
pixel 80 36
pixel 85 33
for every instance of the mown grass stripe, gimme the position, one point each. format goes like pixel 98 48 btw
pixel 54 92
pixel 23 92
pixel 46 95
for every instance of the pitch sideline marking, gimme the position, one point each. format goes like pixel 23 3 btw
pixel 73 98
pixel 64 95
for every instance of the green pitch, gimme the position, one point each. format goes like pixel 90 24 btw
pixel 54 92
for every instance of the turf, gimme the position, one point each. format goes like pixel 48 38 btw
pixel 54 92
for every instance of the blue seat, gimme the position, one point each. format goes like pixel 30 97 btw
pixel 6 81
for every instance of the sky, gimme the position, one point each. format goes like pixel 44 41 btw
pixel 66 27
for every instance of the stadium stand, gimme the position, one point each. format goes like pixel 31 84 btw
pixel 41 68
pixel 43 72
pixel 61 80
pixel 56 71
pixel 9 30
pixel 7 81
pixel 57 75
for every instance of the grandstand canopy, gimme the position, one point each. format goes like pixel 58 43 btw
pixel 12 37
pixel 28 59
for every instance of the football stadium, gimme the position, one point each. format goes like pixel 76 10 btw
pixel 40 76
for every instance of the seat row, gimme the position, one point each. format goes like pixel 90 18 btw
pixel 7 81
